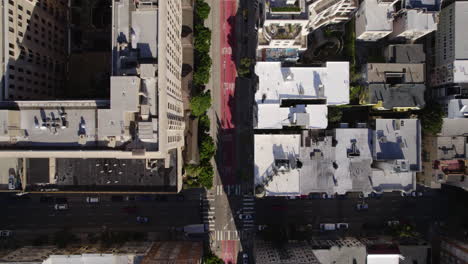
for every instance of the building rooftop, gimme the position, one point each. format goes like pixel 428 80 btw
pixel 451 147
pixel 276 164
pixel 457 108
pixel 399 95
pixel 460 70
pixel 286 10
pixel 405 53
pixel 461 40
pixel 378 17
pixel 398 139
pixel 454 127
pixel 283 91
pixel 394 73
pixel 429 5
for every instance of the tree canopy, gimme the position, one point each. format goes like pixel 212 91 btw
pixel 432 118
pixel 200 103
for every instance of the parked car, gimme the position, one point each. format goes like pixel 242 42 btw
pixel 342 226
pixel 341 196
pixel 330 196
pixel 180 197
pixel 142 219
pixel 245 216
pixel 5 233
pixel 416 194
pixel 261 227
pixel 116 198
pixel 292 197
pixel 375 195
pixel 11 182
pixel 327 227
pixel 61 207
pixel 92 199
pixel 362 206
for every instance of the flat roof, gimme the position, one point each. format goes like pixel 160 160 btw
pixel 460 34
pixel 398 139
pixel 460 71
pixel 377 72
pixel 458 108
pixel 418 20
pixel 400 95
pixel 406 53
pixel 310 88
pixel 454 127
pixel 145 30
pixel 269 148
pixel 377 17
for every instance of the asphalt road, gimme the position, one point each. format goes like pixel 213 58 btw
pixel 31 214
pixel 420 211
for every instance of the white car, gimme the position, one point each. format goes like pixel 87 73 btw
pixel 327 227
pixel 261 227
pixel 245 216
pixel 60 207
pixel 5 233
pixel 92 199
pixel 393 223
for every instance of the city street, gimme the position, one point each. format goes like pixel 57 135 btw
pixel 419 211
pixel 163 214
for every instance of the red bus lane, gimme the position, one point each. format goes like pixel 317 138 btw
pixel 228 78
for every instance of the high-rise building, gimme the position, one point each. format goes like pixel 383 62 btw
pixel 33 48
pixel 450 75
pixel 135 139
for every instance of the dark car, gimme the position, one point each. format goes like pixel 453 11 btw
pixel 117 198
pixel 180 197
pixel 315 196
pixel 46 199
pixel 142 219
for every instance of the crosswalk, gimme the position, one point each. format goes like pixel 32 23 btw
pixel 228 189
pixel 208 210
pixel 248 208
pixel 220 235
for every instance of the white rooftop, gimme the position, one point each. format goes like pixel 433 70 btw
pixel 323 85
pixel 458 108
pixel 377 16
pixel 460 71
pixel 418 20
pixel 398 139
pixel 351 171
pixel 269 148
pixel 383 259
pixel 91 259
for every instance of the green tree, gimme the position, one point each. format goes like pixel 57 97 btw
pixel 202 41
pixel 202 9
pixel 211 258
pixel 207 148
pixel 334 114
pixel 244 67
pixel 193 170
pixel 204 124
pixel 206 176
pixel 432 118
pixel 200 103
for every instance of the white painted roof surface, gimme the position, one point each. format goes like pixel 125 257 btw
pixel 377 16
pixel 351 177
pixel 145 30
pixel 90 259
pixel 460 71
pixel 421 21
pixel 271 116
pixel 458 108
pixel 277 84
pixel 269 147
pixel 383 259
pixel 386 179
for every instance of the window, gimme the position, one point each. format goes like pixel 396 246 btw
pixel 11 30
pixel 28 12
pixel 11 45
pixel 10 19
pixel 20 8
pixel 10 11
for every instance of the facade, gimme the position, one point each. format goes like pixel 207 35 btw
pixel 142 121
pixel 326 12
pixel 374 19
pixel 453 251
pixel 394 86
pixel 298 96
pixel 383 159
pixel 445 156
pixel 160 252
pixel 34 49
pixel 285 25
pixel 450 75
